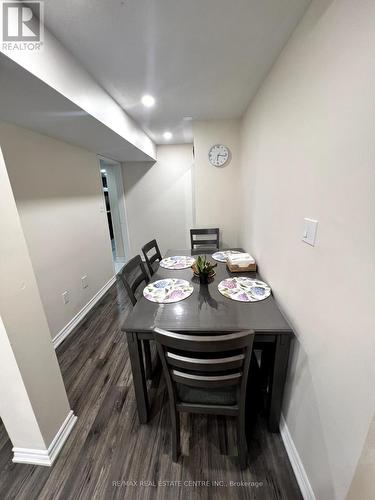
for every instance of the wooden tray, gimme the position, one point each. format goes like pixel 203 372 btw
pixel 238 269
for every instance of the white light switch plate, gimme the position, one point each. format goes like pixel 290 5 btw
pixel 84 281
pixel 310 227
pixel 66 297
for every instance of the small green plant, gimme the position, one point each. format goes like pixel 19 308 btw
pixel 203 266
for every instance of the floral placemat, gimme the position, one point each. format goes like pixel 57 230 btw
pixel 222 256
pixel 177 262
pixel 168 290
pixel 244 289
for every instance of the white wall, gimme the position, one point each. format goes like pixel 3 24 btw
pixel 15 407
pixel 57 188
pixel 33 401
pixel 159 199
pixel 363 484
pixel 216 189
pixel 308 151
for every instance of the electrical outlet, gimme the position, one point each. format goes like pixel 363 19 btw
pixel 65 296
pixel 84 281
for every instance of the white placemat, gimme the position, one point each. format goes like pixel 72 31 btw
pixel 177 262
pixel 222 256
pixel 168 290
pixel 244 289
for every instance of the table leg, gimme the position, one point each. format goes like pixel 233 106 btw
pixel 148 359
pixel 139 379
pixel 278 376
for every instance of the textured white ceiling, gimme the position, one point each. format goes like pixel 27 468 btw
pixel 203 59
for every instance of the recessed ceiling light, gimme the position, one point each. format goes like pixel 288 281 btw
pixel 187 118
pixel 148 101
pixel 167 135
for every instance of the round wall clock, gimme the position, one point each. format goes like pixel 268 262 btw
pixel 219 155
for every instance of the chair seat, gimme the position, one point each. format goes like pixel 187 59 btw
pixel 218 396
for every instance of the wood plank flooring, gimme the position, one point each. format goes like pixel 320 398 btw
pixel 109 455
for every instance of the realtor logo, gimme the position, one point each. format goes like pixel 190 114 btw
pixel 22 25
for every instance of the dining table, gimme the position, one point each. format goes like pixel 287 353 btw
pixel 207 310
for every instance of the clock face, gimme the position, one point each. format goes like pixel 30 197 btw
pixel 218 155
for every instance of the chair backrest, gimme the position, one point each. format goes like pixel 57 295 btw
pixel 206 360
pixel 202 242
pixel 132 275
pixel 156 255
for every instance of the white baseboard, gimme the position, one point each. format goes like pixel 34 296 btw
pixel 46 457
pixel 296 462
pixel 61 336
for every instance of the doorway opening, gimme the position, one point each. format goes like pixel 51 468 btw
pixel 113 190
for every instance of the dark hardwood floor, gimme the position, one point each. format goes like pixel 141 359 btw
pixel 109 453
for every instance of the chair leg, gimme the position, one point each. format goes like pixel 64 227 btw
pixel 175 416
pixel 148 360
pixel 241 442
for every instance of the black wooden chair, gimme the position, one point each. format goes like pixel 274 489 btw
pixel 132 275
pixel 198 242
pixel 206 373
pixel 156 255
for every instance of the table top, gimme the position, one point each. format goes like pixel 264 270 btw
pixel 206 309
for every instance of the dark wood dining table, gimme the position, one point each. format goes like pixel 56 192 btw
pixel 209 311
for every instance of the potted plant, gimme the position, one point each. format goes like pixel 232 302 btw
pixel 204 269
